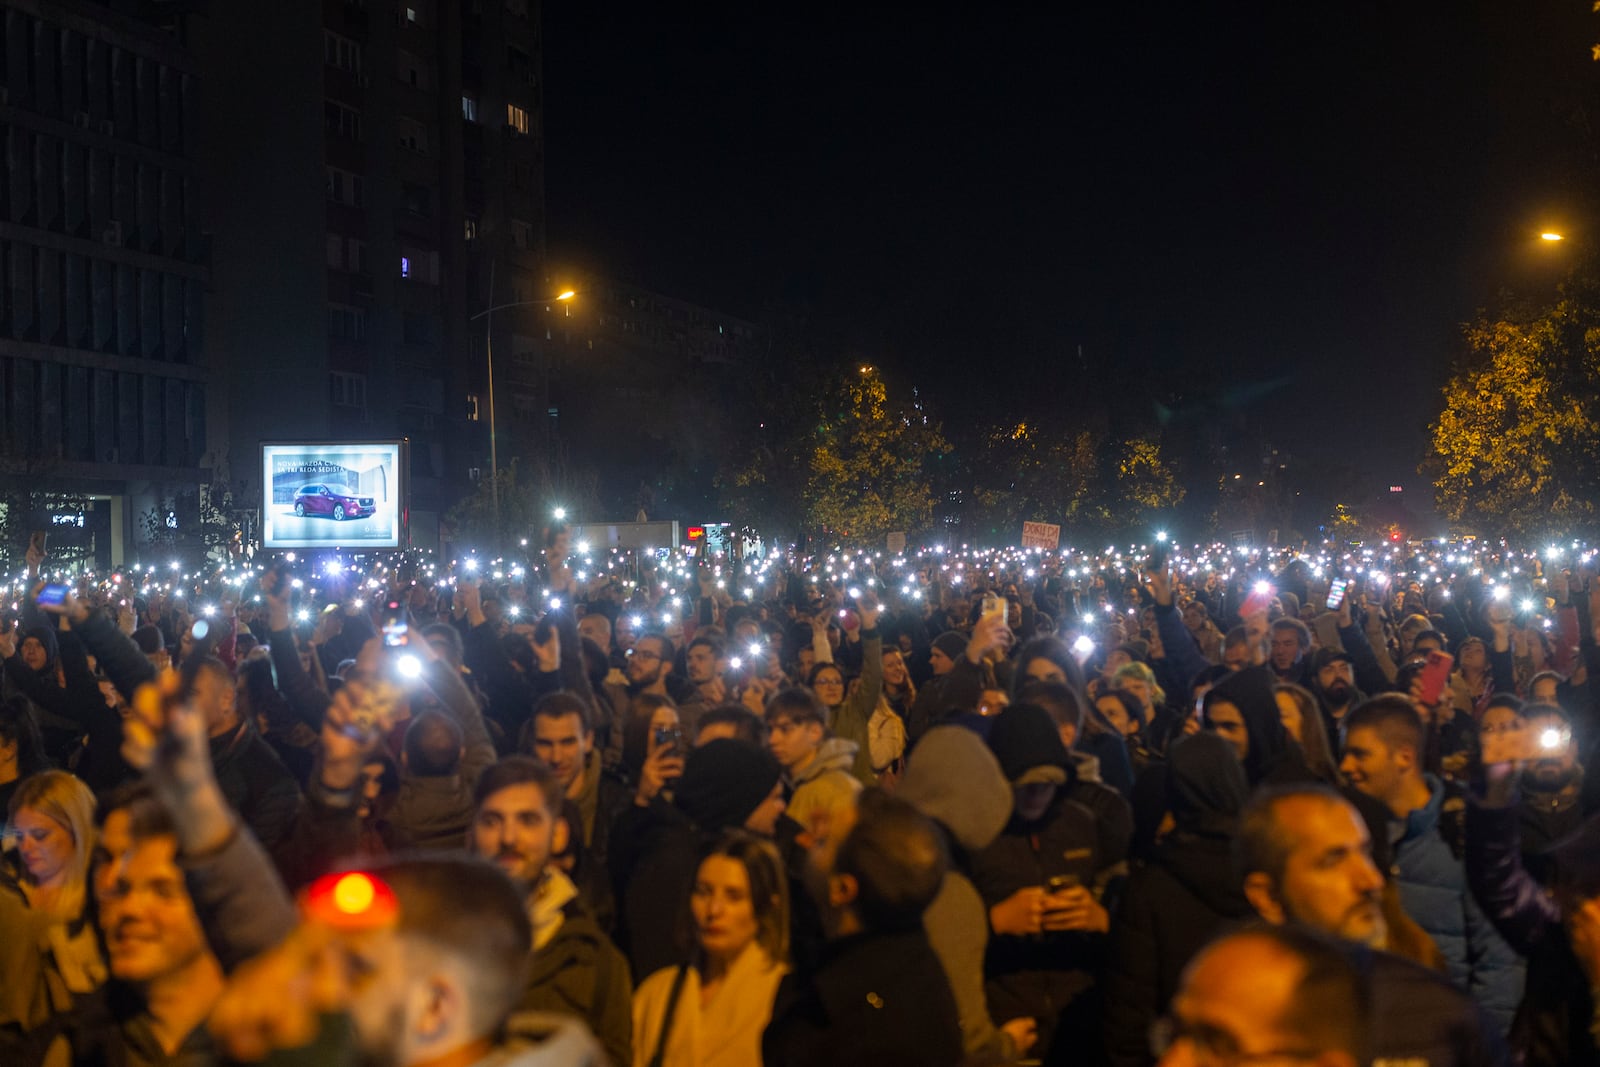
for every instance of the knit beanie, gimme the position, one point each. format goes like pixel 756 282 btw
pixel 952 643
pixel 724 782
pixel 1028 745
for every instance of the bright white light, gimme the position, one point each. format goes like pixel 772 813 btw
pixel 555 602
pixel 409 666
pixel 1263 588
pixel 583 548
pixel 1502 592
pixel 209 610
pixel 333 567
pixel 560 514
pixel 1550 738
pixel 471 564
pixel 736 663
pixel 302 615
pixel 637 621
pixel 1083 646
pixel 173 564
pixel 1527 605
pixel 1161 535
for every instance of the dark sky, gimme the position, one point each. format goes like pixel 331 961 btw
pixel 1196 193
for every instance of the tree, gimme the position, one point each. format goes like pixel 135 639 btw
pixel 1144 482
pixel 1516 447
pixel 528 494
pixel 868 461
pixel 1023 472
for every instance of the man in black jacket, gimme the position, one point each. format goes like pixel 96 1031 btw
pixel 878 995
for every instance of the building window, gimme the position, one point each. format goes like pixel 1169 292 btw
pixel 417 199
pixel 346 323
pixel 413 135
pixel 335 251
pixel 358 255
pixel 341 52
pixel 469 108
pixel 471 229
pixel 413 70
pixel 344 187
pixel 472 407
pixel 405 266
pixel 347 390
pixel 341 121
pixel 522 235
pixel 517 118
pixel 519 65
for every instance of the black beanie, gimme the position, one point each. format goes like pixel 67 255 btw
pixel 724 782
pixel 1023 737
pixel 952 643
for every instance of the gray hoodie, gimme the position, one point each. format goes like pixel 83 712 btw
pixel 953 779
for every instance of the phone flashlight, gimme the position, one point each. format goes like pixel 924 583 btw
pixel 408 666
pixel 736 663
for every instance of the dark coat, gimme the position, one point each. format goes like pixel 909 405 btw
pixel 1419 1017
pixel 581 973
pixel 875 1000
pixel 1043 977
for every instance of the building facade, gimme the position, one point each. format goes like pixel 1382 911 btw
pixel 104 374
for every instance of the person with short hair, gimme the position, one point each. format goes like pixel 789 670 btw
pixel 1289 651
pixel 1304 856
pixel 1383 750
pixel 818 765
pixel 576 969
pixel 879 994
pixel 1266 994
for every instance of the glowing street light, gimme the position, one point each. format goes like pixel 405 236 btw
pixel 1551 236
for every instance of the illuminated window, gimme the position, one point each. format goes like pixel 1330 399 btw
pixel 517 118
pixel 469 108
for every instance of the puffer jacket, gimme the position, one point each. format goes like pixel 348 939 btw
pixel 1554 1024
pixel 580 973
pixel 1433 889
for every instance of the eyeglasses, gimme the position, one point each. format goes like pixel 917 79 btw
pixel 642 654
pixel 1214 1047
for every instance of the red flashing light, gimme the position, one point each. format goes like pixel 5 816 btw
pixel 352 900
pixel 1397 536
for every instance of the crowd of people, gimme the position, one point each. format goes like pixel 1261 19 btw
pixel 987 809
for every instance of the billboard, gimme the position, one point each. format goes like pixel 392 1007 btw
pixel 331 495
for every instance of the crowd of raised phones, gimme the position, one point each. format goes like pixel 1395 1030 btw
pixel 1009 812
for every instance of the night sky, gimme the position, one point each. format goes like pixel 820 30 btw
pixel 1308 195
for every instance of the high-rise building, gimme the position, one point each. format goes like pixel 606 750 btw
pixel 376 164
pixel 103 371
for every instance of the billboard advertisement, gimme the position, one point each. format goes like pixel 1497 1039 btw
pixel 332 495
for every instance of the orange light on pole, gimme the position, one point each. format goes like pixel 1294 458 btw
pixel 1551 236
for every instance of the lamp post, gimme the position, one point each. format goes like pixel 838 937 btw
pixel 565 296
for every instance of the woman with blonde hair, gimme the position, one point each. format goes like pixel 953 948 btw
pixel 712 1010
pixel 49 953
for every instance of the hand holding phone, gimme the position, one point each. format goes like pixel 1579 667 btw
pixel 1434 677
pixel 1336 593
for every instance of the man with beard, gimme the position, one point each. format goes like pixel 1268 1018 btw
pixel 1334 684
pixel 650 671
pixel 1552 786
pixel 1305 857
pixel 450 974
pixel 576 969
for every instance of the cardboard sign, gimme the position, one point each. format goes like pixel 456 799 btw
pixel 1040 535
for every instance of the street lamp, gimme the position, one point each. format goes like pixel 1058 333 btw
pixel 565 296
pixel 1551 236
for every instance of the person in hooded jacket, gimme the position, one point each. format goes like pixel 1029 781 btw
pixel 954 780
pixel 819 765
pixel 1043 880
pixel 1243 709
pixel 1173 905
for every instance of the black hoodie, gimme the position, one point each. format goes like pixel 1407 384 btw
pixel 1184 897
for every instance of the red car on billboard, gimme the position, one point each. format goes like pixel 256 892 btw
pixel 320 499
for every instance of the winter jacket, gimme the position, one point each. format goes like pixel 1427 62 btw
pixel 580 973
pixel 1419 1018
pixel 850 719
pixel 1044 977
pixel 256 783
pixel 941 698
pixel 826 783
pixel 1433 888
pixel 434 812
pixel 1187 894
pixel 1555 1023
pixel 876 999
pixel 955 780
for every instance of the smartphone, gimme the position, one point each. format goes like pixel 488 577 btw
pixel 53 595
pixel 1062 882
pixel 395 626
pixel 1435 676
pixel 1511 746
pixel 36 541
pixel 993 605
pixel 1259 600
pixel 1336 592
pixel 669 737
pixel 1157 561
